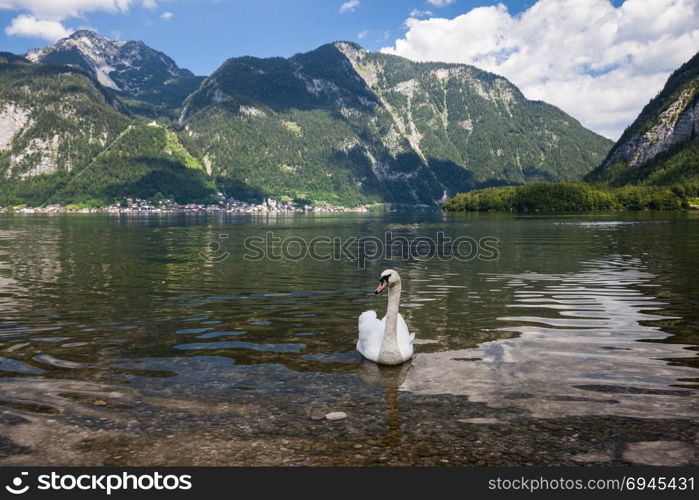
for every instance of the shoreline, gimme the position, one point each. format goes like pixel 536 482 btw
pixel 198 209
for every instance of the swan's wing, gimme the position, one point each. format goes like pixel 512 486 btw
pixel 370 335
pixel 403 329
pixel 405 338
pixel 366 318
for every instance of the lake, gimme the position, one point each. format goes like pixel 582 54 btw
pixel 183 339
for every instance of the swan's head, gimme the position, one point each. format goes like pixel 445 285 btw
pixel 388 278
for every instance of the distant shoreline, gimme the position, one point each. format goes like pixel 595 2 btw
pixel 183 210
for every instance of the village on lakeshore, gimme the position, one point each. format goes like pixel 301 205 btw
pixel 141 206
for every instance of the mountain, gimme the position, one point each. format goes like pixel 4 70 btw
pixel 65 138
pixel 343 125
pixel 8 57
pixel 150 81
pixel 662 146
pixel 338 125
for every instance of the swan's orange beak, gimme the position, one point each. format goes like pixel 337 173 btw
pixel 383 283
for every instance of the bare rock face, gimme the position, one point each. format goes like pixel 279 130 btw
pixel 13 119
pixel 678 123
pixel 129 66
pixel 52 119
pixel 669 123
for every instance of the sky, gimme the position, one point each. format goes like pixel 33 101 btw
pixel 598 60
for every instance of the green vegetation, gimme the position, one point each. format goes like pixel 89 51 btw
pixel 575 196
pixel 482 124
pixel 668 181
pixel 327 127
pixel 336 125
pixel 145 162
pixel 9 57
pixel 69 119
pixel 162 103
pixel 658 125
pixel 680 164
pixel 684 79
pixel 79 148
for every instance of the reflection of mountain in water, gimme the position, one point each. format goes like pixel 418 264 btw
pixel 577 354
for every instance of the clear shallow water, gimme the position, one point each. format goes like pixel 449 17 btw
pixel 103 316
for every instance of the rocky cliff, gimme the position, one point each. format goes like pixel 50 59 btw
pixel 659 145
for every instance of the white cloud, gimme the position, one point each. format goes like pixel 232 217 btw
pixel 597 62
pixel 362 34
pixel 44 18
pixel 421 13
pixel 349 6
pixel 29 26
pixel 58 10
pixel 166 16
pixel 440 3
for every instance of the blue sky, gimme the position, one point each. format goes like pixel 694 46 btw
pixel 201 34
pixel 600 61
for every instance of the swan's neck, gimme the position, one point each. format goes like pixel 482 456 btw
pixel 389 346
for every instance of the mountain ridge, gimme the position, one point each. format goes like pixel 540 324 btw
pixel 148 77
pixel 660 142
pixel 338 125
pixel 653 166
pixel 416 132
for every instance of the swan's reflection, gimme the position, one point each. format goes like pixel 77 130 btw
pixel 578 353
pixel 390 378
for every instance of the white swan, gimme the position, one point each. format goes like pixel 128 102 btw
pixel 387 342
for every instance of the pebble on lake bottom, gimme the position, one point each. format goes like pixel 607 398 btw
pixel 336 415
pixel 317 415
pixel 483 420
pixel 585 458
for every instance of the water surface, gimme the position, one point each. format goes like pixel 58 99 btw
pixel 142 328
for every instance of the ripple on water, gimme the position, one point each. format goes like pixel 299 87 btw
pixel 16 366
pixel 282 348
pixel 334 357
pixel 213 335
pixel 589 327
pixel 190 331
pixel 51 360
